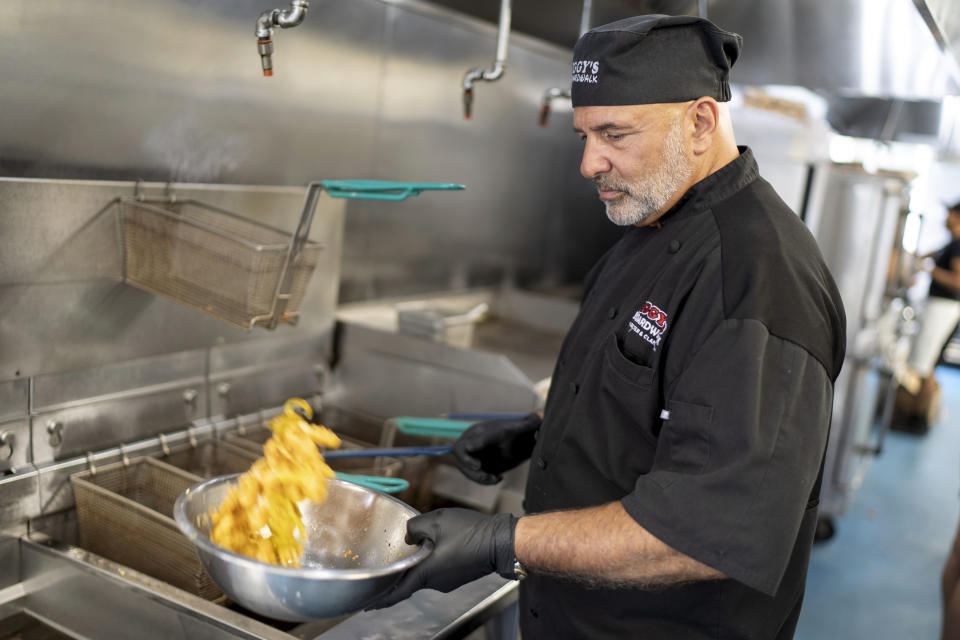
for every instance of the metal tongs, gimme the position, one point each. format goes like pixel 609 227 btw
pixel 377 483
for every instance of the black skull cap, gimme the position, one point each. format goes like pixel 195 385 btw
pixel 653 59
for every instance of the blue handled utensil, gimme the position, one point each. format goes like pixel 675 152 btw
pixel 377 483
pixel 487 416
pixel 440 450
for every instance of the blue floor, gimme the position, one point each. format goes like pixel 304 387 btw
pixel 879 576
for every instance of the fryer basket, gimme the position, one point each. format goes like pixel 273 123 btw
pixel 213 260
pixel 125 513
pixel 210 459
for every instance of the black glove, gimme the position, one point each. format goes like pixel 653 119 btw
pixel 487 449
pixel 467 545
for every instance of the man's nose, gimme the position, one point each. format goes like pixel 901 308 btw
pixel 593 162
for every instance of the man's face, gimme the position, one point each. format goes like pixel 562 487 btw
pixel 636 156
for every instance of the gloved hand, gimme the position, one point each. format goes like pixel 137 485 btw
pixel 467 545
pixel 487 449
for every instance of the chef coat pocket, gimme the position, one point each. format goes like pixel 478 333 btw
pixel 628 405
pixel 627 369
pixel 686 434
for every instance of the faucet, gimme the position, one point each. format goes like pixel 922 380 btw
pixel 554 93
pixel 548 97
pixel 499 64
pixel 283 18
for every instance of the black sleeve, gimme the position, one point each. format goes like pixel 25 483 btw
pixel 738 454
pixel 953 251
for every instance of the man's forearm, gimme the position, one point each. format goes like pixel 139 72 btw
pixel 946 278
pixel 603 546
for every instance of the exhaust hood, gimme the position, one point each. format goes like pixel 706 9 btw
pixel 878 48
pixel 882 66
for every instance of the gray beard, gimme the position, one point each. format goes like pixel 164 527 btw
pixel 651 193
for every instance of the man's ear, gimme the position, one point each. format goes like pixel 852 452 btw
pixel 705 113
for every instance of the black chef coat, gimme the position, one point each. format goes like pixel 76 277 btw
pixel 696 388
pixel 944 260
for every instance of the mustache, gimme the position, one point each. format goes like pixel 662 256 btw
pixel 611 183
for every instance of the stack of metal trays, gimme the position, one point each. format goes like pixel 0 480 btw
pixel 439 323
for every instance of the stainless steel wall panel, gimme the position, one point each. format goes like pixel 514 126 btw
pixel 53 483
pixel 508 224
pixel 14 399
pixel 94 426
pixel 63 306
pixel 267 386
pixel 250 376
pixel 388 374
pixel 9 560
pixel 71 388
pixel 172 90
pixel 225 359
pixel 19 497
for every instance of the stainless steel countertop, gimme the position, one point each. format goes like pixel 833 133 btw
pixel 57 584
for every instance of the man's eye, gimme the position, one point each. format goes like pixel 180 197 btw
pixel 614 137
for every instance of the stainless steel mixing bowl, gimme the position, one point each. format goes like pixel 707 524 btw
pixel 354 551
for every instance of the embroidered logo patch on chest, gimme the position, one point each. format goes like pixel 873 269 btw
pixel 650 323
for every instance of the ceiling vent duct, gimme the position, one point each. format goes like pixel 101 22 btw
pixel 886 119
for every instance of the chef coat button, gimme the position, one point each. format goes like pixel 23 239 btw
pixel 612 313
pixel 674 246
pixel 541 463
pixel 574 388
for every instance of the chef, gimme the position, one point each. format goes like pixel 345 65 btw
pixel 676 469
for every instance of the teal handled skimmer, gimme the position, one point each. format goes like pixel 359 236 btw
pixel 431 427
pixel 377 483
pixel 383 189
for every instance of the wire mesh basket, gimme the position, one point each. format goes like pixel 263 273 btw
pixel 125 513
pixel 214 260
pixel 210 459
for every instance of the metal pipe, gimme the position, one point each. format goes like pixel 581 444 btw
pixel 555 93
pixel 283 18
pixel 585 16
pixel 702 9
pixel 499 64
pixel 548 97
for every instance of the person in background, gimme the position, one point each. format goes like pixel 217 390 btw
pixel 937 324
pixel 675 472
pixel 942 311
pixel 949 583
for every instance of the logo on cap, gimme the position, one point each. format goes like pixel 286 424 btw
pixel 586 71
